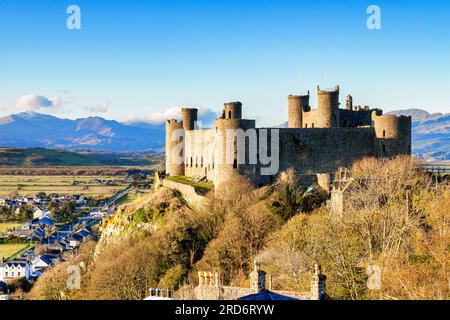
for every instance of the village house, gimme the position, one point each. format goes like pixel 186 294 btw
pixel 42 263
pixel 11 270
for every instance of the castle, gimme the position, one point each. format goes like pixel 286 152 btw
pixel 315 144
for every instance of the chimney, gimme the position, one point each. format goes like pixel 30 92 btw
pixel 257 278
pixel 270 281
pixel 318 284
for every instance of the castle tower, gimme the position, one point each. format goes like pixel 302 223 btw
pixel 233 110
pixel 226 145
pixel 328 108
pixel 189 118
pixel 393 134
pixel 296 106
pixel 349 103
pixel 174 148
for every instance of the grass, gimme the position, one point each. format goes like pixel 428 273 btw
pixel 132 197
pixel 10 250
pixel 5 226
pixel 31 185
pixel 200 186
pixel 27 246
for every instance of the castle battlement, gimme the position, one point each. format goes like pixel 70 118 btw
pixel 316 142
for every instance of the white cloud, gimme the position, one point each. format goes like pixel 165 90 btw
pixel 39 103
pixel 206 115
pixel 101 107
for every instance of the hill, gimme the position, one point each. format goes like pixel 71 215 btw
pixel 38 157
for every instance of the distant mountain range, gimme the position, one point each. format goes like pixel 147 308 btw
pixel 31 129
pixel 431 133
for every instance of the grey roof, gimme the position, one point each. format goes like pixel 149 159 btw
pixel 266 295
pixel 15 263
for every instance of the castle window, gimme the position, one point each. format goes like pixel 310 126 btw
pixel 191 163
pixel 409 149
pixel 384 148
pixel 306 125
pixel 229 114
pixel 235 164
pixel 384 133
pixel 312 125
pixel 196 162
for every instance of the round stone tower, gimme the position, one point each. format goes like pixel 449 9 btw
pixel 296 106
pixel 393 134
pixel 189 118
pixel 233 110
pixel 226 146
pixel 328 108
pixel 174 148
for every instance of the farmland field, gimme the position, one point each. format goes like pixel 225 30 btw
pixel 64 185
pixel 7 250
pixel 4 226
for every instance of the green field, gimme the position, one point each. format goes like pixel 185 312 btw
pixel 5 226
pixel 39 157
pixel 64 185
pixel 201 186
pixel 8 250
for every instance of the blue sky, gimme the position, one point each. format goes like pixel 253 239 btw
pixel 136 59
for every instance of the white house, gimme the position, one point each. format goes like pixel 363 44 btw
pixel 42 262
pixel 11 270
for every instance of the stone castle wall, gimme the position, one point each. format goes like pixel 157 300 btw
pixel 318 141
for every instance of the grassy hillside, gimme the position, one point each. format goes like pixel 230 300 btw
pixel 38 157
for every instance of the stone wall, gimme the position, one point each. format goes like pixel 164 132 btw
pixel 313 151
pixel 199 153
pixel 189 192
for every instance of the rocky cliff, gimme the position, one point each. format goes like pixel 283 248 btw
pixel 138 219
